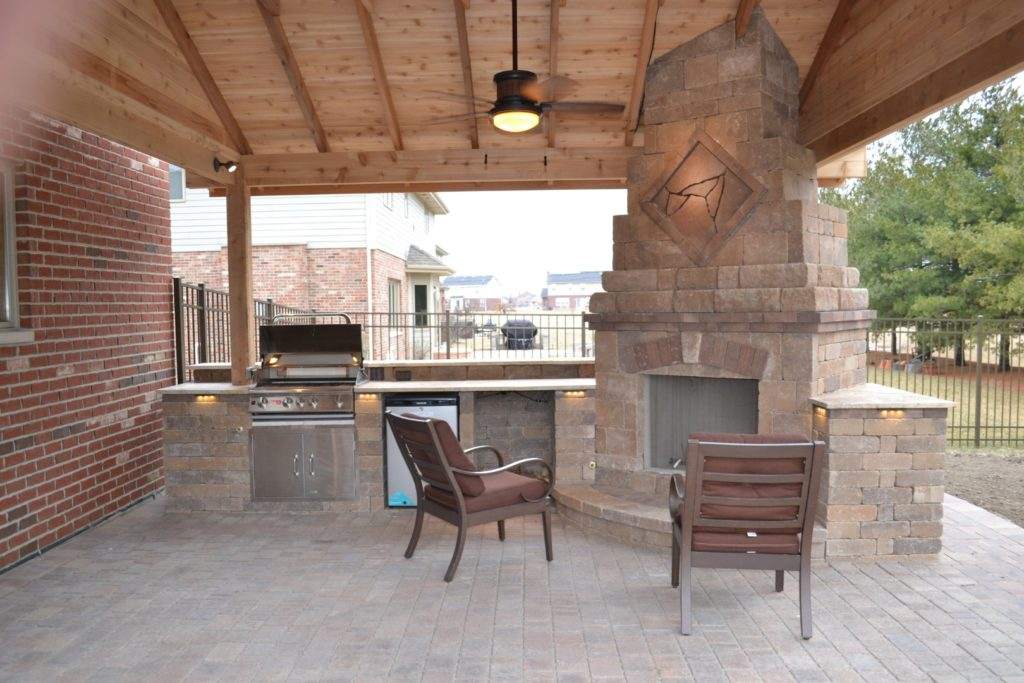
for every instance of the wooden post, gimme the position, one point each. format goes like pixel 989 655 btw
pixel 240 279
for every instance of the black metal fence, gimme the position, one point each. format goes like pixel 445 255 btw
pixel 202 331
pixel 978 364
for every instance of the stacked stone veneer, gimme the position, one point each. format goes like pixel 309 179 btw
pixel 883 485
pixel 776 302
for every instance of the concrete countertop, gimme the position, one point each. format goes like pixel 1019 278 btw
pixel 473 362
pixel 194 388
pixel 454 386
pixel 877 396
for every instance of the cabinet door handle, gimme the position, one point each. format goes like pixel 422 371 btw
pixel 295 465
pixel 312 472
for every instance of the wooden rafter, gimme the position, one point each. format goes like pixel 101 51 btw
pixel 829 43
pixel 743 14
pixel 271 17
pixel 552 63
pixel 198 66
pixel 425 170
pixel 643 57
pixel 467 69
pixel 379 74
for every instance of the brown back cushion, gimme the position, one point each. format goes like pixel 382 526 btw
pixel 788 465
pixel 456 457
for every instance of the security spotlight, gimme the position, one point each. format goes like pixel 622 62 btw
pixel 228 166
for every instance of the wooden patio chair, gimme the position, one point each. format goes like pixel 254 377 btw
pixel 450 487
pixel 748 502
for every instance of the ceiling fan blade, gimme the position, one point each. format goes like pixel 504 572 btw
pixel 552 88
pixel 592 108
pixel 453 96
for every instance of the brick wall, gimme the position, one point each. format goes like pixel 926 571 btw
pixel 290 274
pixel 80 418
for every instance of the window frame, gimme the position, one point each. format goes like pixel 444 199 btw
pixel 9 319
pixel 389 200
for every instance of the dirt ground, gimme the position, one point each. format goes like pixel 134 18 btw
pixel 992 480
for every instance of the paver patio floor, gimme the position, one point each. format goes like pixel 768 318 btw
pixel 151 595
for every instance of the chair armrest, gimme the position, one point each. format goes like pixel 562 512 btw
pixel 512 465
pixel 676 495
pixel 480 449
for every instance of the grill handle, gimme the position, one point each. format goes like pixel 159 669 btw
pixel 295 465
pixel 317 314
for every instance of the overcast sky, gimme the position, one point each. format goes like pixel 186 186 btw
pixel 521 236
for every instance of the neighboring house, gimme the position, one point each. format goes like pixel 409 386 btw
pixel 352 252
pixel 473 293
pixel 526 301
pixel 571 291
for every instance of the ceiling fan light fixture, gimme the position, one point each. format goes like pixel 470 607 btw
pixel 513 111
pixel 515 120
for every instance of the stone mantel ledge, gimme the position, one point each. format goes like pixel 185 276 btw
pixel 877 397
pixel 205 388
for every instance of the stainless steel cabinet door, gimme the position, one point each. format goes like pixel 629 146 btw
pixel 329 462
pixel 277 463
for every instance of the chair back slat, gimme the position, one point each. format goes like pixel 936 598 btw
pixel 750 486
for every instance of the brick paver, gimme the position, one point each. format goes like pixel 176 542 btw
pixel 163 596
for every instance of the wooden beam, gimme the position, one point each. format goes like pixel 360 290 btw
pixel 467 70
pixel 379 74
pixel 552 64
pixel 643 58
pixel 828 45
pixel 437 170
pixel 198 66
pixel 986 63
pixel 109 75
pixel 291 69
pixel 42 83
pixel 743 14
pixel 272 7
pixel 242 315
pixel 468 186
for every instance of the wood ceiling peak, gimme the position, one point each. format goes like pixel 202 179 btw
pixel 552 63
pixel 743 14
pixel 291 69
pixel 202 74
pixel 828 45
pixel 379 74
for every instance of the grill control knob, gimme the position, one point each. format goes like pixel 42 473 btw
pixel 262 401
pixel 286 401
pixel 339 403
pixel 300 403
pixel 313 403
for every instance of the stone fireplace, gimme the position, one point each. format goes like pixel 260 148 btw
pixel 726 266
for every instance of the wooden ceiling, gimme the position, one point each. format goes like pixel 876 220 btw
pixel 187 79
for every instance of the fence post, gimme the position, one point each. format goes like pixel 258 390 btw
pixel 978 340
pixel 179 332
pixel 447 335
pixel 583 336
pixel 201 321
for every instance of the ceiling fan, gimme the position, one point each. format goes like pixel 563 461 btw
pixel 521 100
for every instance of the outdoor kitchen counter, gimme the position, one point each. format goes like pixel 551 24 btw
pixel 480 385
pixel 205 389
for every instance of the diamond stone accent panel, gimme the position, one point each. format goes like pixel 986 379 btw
pixel 702 198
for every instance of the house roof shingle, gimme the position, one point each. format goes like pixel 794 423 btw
pixel 467 280
pixel 584 277
pixel 419 261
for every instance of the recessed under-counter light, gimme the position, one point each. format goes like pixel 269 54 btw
pixel 820 412
pixel 894 414
pixel 574 393
pixel 205 398
pixel 369 397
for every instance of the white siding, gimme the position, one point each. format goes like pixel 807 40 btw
pixel 393 231
pixel 199 222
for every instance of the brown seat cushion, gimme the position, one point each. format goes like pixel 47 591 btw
pixel 504 488
pixel 733 542
pixel 456 457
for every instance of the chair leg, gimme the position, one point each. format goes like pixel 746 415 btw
pixel 675 557
pixel 805 596
pixel 416 529
pixel 501 530
pixel 685 597
pixel 548 549
pixel 780 580
pixel 460 542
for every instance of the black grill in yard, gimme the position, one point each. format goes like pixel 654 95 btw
pixel 519 334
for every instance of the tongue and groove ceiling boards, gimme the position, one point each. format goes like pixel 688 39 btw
pixel 371 91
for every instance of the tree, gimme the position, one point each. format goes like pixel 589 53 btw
pixel 937 226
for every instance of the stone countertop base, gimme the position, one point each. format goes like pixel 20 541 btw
pixel 877 396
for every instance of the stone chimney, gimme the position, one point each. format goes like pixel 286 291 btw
pixel 726 266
